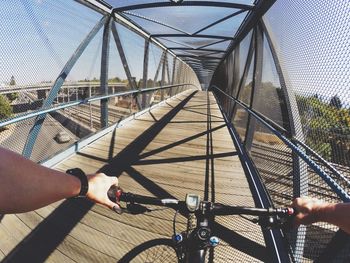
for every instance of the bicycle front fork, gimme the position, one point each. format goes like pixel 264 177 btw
pixel 193 248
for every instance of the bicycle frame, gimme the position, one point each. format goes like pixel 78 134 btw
pixel 192 244
pixel 195 245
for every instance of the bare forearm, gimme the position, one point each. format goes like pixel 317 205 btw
pixel 26 185
pixel 311 210
pixel 337 214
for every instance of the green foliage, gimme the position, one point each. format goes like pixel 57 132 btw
pixel 12 96
pixel 115 80
pixel 336 102
pixel 5 108
pixel 326 127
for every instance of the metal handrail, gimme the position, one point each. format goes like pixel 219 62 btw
pixel 327 178
pixel 33 114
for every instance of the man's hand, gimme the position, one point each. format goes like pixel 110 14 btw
pixel 98 187
pixel 308 210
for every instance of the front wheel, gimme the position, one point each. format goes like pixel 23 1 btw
pixel 156 250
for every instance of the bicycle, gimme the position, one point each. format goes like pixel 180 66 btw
pixel 192 245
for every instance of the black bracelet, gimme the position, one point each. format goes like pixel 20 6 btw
pixel 77 172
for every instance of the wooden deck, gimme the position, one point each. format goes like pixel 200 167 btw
pixel 180 147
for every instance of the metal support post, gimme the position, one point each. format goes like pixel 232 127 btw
pixel 172 78
pixel 235 83
pixel 168 70
pixel 300 174
pixel 118 43
pixel 245 74
pixel 104 72
pixel 256 85
pixel 173 73
pixel 34 132
pixel 162 83
pixel 132 81
pixel 145 73
pixel 158 68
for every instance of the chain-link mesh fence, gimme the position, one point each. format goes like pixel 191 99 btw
pixel 39 42
pixel 295 76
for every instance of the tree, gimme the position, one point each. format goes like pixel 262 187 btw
pixel 12 96
pixel 336 102
pixel 5 108
pixel 12 81
pixel 326 127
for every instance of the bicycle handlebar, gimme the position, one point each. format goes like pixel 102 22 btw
pixel 115 194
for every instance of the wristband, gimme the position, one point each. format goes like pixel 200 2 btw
pixel 84 185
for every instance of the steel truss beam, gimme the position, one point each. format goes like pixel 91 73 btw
pixel 197 49
pixel 249 23
pixel 159 66
pixel 185 3
pixel 123 57
pixel 212 44
pixel 182 31
pixel 193 36
pixel 156 22
pixel 198 57
pixel 34 132
pixel 219 21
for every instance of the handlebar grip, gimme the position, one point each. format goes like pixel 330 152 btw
pixel 114 193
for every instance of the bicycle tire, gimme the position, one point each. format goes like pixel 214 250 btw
pixel 153 251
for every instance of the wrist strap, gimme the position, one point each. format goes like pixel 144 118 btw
pixel 77 172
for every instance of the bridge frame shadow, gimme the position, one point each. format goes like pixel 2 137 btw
pixel 49 234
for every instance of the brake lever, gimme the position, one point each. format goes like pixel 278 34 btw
pixel 136 209
pixel 275 221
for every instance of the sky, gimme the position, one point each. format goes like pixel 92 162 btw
pixel 38 37
pixel 313 42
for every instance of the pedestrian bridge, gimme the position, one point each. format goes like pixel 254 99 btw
pixel 232 100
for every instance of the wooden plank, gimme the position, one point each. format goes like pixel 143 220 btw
pixel 175 160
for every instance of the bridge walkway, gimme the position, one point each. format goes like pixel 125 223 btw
pixel 182 146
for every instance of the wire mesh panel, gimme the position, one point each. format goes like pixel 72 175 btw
pixel 64 56
pixel 273 159
pixel 303 92
pixel 33 52
pixel 314 55
pixel 317 62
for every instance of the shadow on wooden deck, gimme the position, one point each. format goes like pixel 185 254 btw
pixel 48 235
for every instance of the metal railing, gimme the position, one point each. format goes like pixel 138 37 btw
pixel 41 103
pixel 44 110
pixel 300 151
